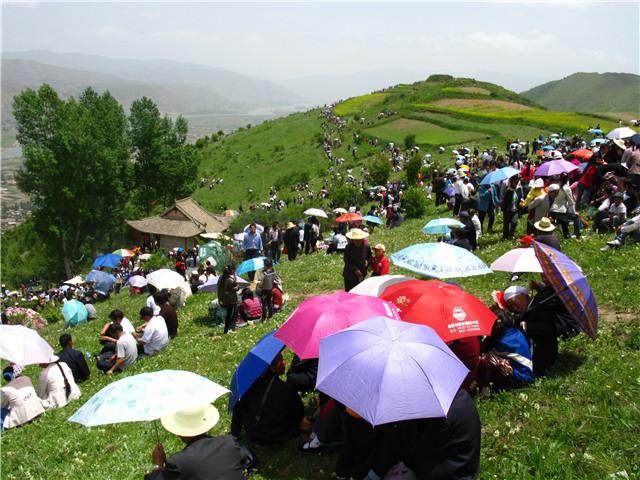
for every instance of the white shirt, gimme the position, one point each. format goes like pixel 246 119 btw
pixel 127 348
pixel 127 326
pixel 21 399
pixel 152 305
pixel 618 209
pixel 51 386
pixel 155 336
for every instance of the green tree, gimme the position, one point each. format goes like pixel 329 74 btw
pixel 414 202
pixel 165 166
pixel 410 141
pixel 379 171
pixel 413 169
pixel 76 167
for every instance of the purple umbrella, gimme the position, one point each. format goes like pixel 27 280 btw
pixel 555 167
pixel 449 191
pixel 389 371
pixel 570 285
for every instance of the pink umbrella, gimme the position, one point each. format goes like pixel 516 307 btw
pixel 323 315
pixel 554 167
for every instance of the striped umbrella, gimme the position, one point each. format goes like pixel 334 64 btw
pixel 570 285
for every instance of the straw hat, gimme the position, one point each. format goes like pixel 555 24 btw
pixel 537 183
pixel 380 246
pixel 52 359
pixel 356 234
pixel 290 225
pixel 544 225
pixel 192 421
pixel 618 142
pixel 553 187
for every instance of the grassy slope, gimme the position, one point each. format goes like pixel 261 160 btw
pixel 581 422
pixel 426 133
pixel 590 92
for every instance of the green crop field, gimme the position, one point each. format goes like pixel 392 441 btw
pixel 426 133
pixel 581 422
pixel 359 104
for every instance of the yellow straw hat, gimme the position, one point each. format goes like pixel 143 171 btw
pixel 192 421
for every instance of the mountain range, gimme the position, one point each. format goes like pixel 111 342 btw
pixel 590 92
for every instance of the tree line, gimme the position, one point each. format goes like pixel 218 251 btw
pixel 88 166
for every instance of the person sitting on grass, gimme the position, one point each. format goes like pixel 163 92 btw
pixel 506 362
pixel 271 410
pixel 56 386
pixel 459 238
pixel 168 312
pixel 155 336
pixel 20 403
pixel 251 307
pixel 73 358
pixel 629 228
pixel 126 353
pixel 203 457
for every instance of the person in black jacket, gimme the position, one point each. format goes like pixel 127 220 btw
pixel 357 257
pixel 545 320
pixel 436 448
pixel 291 240
pixel 302 374
pixel 271 410
pixel 74 359
pixel 203 457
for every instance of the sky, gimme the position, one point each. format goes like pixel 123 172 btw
pixel 516 44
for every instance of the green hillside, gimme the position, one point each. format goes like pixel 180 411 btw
pixel 440 111
pixel 590 92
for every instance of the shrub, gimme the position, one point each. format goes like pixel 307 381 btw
pixel 413 169
pixel 414 202
pixel 345 196
pixel 379 171
pixel 410 141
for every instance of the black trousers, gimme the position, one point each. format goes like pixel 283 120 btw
pixel 230 317
pixel 509 225
pixel 563 219
pixel 545 345
pixel 266 297
pixel 457 205
pixel 249 254
pixel 488 214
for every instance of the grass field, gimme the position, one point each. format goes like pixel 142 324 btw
pixel 358 104
pixel 426 133
pixel 582 422
pixel 481 105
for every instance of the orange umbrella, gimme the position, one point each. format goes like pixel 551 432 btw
pixel 349 217
pixel 583 153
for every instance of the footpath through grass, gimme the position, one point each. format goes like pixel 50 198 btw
pixel 582 422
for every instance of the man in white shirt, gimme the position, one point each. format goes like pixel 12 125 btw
pixel 56 386
pixel 152 304
pixel 155 336
pixel 126 350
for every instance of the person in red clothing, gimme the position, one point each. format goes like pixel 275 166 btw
pixel 468 352
pixel 587 183
pixel 527 171
pixel 380 263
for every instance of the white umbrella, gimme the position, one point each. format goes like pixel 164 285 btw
pixel 77 280
pixel 316 212
pixel 214 236
pixel 147 396
pixel 259 228
pixel 621 132
pixel 374 286
pixel 23 346
pixel 339 210
pixel 517 260
pixel 137 281
pixel 165 278
pixel 211 286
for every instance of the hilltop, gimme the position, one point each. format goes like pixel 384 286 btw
pixel 590 92
pixel 439 111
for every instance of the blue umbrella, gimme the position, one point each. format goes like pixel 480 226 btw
pixel 440 260
pixel 548 147
pixel 582 166
pixel 110 260
pixel 597 141
pixel 441 226
pixel 373 219
pixel 253 366
pixel 102 281
pixel 596 131
pixel 74 312
pixel 251 265
pixel 499 175
pixel 449 191
pixel 636 139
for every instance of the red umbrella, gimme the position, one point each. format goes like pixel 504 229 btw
pixel 583 153
pixel 446 308
pixel 349 217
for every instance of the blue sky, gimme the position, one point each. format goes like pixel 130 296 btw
pixel 288 40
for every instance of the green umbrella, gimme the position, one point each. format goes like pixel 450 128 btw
pixel 215 250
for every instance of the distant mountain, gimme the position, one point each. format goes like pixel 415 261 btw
pixel 177 87
pixel 590 92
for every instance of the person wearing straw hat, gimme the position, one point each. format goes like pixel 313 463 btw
pixel 203 457
pixel 544 233
pixel 357 257
pixel 291 240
